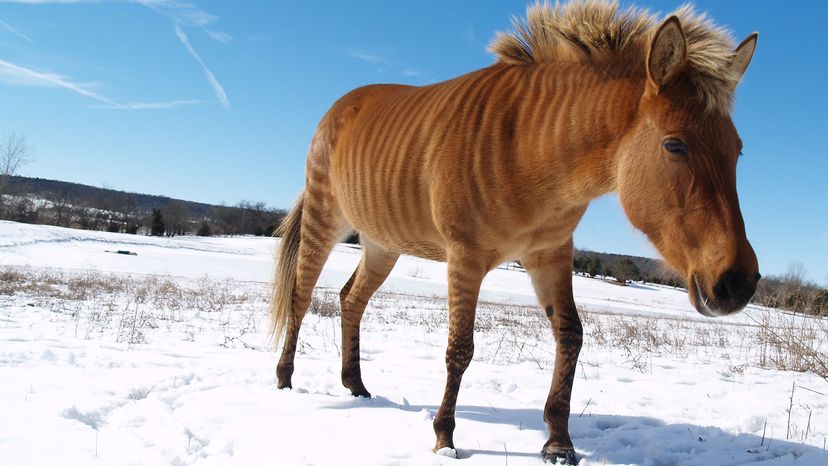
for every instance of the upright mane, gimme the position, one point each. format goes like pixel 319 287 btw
pixel 596 31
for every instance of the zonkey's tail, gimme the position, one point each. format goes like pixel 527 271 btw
pixel 284 273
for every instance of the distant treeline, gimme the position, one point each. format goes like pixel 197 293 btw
pixel 73 205
pixel 791 291
pixel 624 268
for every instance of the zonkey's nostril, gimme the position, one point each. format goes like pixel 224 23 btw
pixel 730 285
pixel 757 276
pixel 723 287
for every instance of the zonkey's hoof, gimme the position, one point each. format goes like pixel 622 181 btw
pixel 280 385
pixel 448 452
pixel 564 457
pixel 357 390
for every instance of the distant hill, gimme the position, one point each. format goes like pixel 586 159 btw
pixel 74 205
pixel 94 196
pixel 137 207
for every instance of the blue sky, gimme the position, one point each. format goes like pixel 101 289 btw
pixel 216 101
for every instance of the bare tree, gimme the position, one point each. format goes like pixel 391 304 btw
pixel 61 203
pixel 793 292
pixel 15 152
pixel 124 211
pixel 81 216
pixel 176 218
pixel 228 219
pixel 796 273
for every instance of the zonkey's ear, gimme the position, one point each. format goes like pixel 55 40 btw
pixel 743 54
pixel 668 53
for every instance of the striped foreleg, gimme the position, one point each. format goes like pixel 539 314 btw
pixel 551 274
pixel 465 273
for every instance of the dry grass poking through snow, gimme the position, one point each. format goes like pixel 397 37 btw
pixel 128 309
pixel 793 342
pixel 508 334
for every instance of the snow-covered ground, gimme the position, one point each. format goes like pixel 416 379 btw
pixel 162 358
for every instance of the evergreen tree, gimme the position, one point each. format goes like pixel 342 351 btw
pixel 625 270
pixel 594 267
pixel 580 264
pixel 157 228
pixel 204 229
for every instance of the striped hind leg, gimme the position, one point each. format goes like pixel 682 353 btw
pixel 374 267
pixel 322 225
pixel 551 274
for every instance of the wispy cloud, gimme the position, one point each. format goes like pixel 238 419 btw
pixel 14 31
pixel 218 36
pixel 187 14
pixel 154 105
pixel 182 13
pixel 370 57
pixel 20 75
pixel 168 104
pixel 383 63
pixel 217 88
pixel 412 73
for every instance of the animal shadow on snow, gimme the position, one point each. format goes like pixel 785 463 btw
pixel 604 438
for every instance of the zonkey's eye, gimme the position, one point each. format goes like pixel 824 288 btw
pixel 675 146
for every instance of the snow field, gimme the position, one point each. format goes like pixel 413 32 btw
pixel 168 364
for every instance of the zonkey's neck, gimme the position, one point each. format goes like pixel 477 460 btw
pixel 575 123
